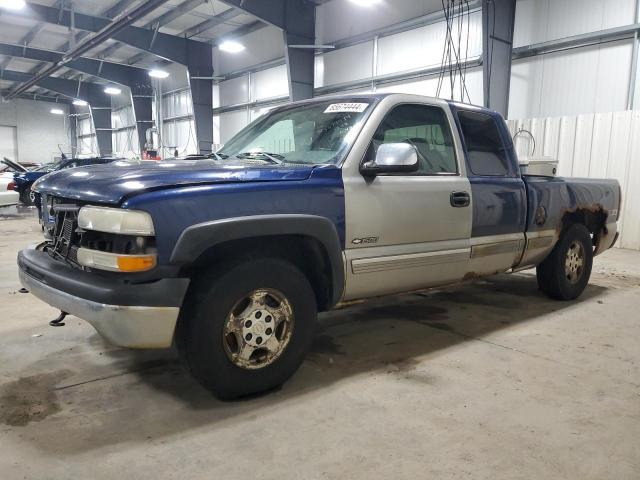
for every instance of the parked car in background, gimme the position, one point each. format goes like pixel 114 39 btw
pixel 24 180
pixel 315 204
pixel 8 196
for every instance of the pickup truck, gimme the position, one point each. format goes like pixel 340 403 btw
pixel 314 204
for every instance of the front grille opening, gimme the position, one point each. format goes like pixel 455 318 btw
pixel 67 237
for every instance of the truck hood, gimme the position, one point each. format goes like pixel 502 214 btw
pixel 114 182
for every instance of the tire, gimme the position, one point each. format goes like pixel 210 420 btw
pixel 565 273
pixel 25 197
pixel 212 354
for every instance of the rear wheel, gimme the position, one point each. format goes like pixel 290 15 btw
pixel 27 197
pixel 565 273
pixel 246 328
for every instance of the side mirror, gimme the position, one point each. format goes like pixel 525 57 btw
pixel 392 158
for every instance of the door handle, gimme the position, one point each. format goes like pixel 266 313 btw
pixel 460 199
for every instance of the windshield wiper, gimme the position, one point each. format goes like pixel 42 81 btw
pixel 273 157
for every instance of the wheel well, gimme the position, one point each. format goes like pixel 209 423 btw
pixel 305 252
pixel 593 218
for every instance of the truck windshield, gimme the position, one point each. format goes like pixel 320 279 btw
pixel 308 134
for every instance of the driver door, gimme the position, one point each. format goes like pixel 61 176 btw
pixel 411 230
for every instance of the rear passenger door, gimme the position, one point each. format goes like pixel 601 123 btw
pixel 499 196
pixel 406 231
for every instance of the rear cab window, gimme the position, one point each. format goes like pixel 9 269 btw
pixel 486 152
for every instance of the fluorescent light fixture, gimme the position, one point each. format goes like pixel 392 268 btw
pixel 112 91
pixel 158 73
pixel 57 111
pixel 12 4
pixel 80 103
pixel 366 3
pixel 231 46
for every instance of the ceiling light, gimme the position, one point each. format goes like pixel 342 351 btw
pixel 158 73
pixel 112 91
pixel 12 4
pixel 366 3
pixel 80 103
pixel 57 111
pixel 231 46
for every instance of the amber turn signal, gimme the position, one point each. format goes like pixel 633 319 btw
pixel 138 263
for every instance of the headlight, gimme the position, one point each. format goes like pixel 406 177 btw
pixel 116 220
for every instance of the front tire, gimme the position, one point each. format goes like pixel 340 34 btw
pixel 246 328
pixel 565 273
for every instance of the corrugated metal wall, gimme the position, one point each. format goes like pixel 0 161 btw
pixel 601 145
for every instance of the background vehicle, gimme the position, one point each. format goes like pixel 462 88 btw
pixel 313 204
pixel 24 180
pixel 8 196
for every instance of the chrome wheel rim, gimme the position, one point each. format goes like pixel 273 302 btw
pixel 574 262
pixel 258 329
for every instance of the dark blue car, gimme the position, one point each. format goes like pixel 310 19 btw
pixel 24 181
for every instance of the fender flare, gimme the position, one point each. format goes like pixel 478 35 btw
pixel 196 239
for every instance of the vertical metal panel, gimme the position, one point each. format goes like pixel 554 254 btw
pixel 551 141
pixel 583 143
pixel 542 20
pixel 345 64
pixel 269 83
pixel 581 80
pixel 422 47
pixel 234 91
pixel 630 236
pixel 600 145
pixel 566 145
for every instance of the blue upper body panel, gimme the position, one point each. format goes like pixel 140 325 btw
pixel 174 209
pixel 499 202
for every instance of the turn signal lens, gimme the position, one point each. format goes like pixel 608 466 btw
pixel 139 263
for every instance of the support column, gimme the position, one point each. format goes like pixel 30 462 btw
pixel 200 68
pixel 100 105
pixel 498 17
pixel 300 66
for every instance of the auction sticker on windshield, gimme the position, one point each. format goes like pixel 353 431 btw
pixel 346 107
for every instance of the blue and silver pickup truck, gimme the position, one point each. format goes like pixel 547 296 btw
pixel 312 205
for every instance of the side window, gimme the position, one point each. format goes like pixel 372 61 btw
pixel 485 150
pixel 425 127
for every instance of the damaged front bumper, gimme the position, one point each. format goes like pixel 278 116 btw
pixel 127 314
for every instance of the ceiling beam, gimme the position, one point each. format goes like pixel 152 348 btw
pixel 163 45
pixel 104 33
pixel 156 24
pixel 239 32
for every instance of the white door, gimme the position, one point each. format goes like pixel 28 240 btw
pixel 408 231
pixel 9 143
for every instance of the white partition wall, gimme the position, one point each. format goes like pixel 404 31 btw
pixel 601 145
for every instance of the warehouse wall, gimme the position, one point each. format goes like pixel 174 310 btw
pixel 601 145
pixel 38 131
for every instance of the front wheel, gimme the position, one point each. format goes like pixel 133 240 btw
pixel 565 273
pixel 246 328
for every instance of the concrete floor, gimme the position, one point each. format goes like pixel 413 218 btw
pixel 486 380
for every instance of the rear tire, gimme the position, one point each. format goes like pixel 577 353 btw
pixel 565 273
pixel 247 327
pixel 25 197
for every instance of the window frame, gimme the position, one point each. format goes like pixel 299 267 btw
pixel 508 170
pixel 456 158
